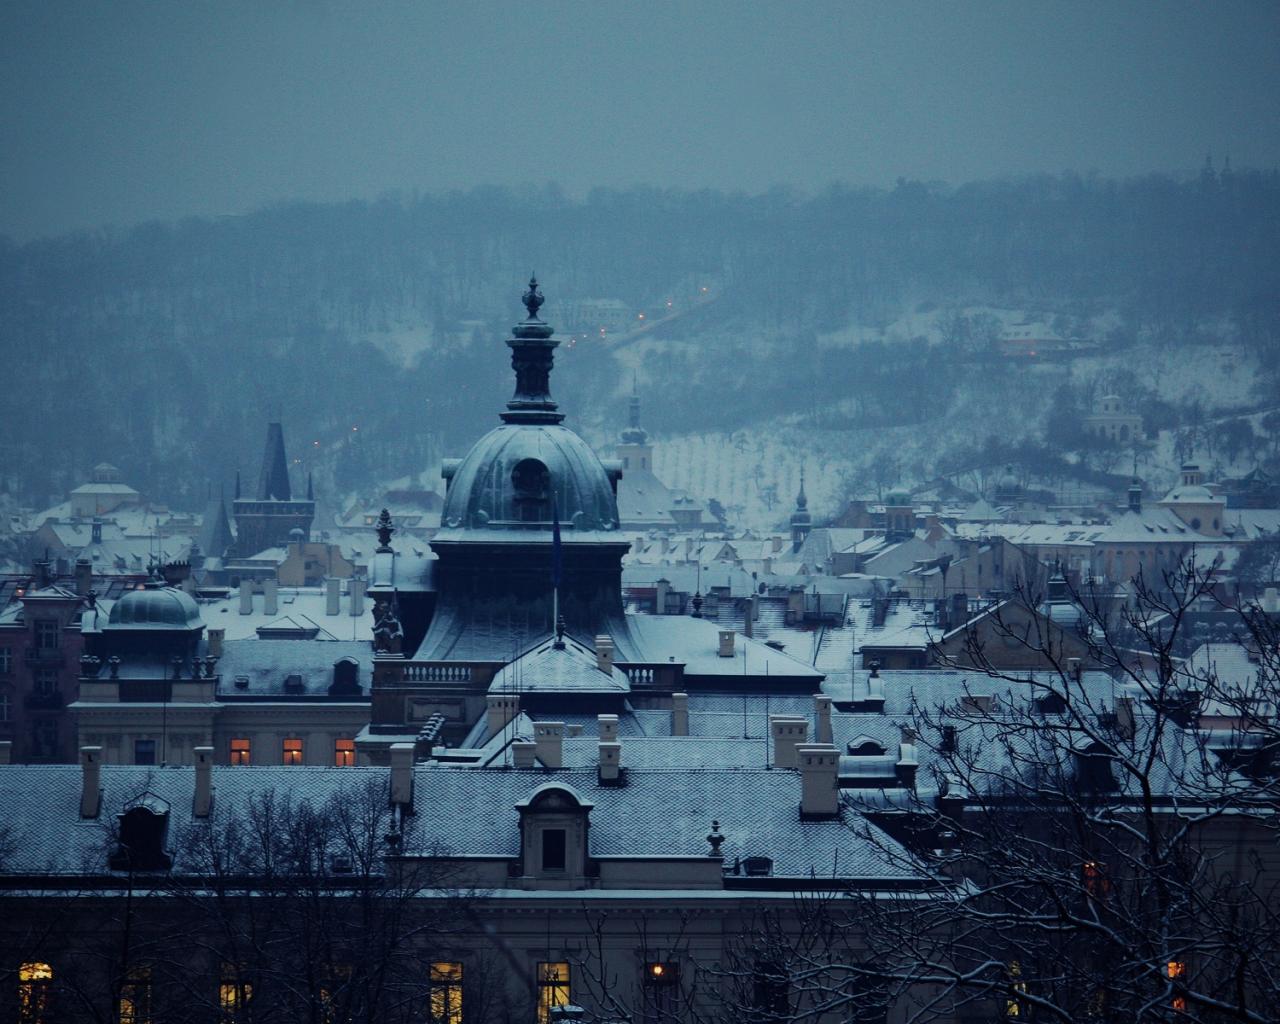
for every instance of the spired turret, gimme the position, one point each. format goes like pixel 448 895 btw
pixel 801 520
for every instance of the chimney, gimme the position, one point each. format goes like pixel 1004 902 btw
pixel 908 760
pixel 726 643
pixel 660 591
pixel 402 776
pixel 216 636
pixel 607 726
pixel 84 576
pixel 91 781
pixel 822 717
pixel 6 751
pixel 1135 496
pixel 875 683
pixel 679 714
pixel 819 781
pixel 775 543
pixel 1126 724
pixel 500 708
pixel 246 597
pixel 332 596
pixel 357 597
pixel 604 654
pixel 271 596
pixel 549 742
pixel 204 782
pixel 610 760
pixel 523 753
pixel 787 732
pixel 95 531
pixel 1073 668
pixel 749 617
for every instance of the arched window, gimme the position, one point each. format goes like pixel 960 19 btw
pixel 531 485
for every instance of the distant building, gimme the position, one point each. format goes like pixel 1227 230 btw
pixel 1112 422
pixel 105 492
pixel 267 520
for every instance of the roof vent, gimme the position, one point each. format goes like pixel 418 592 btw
pixel 293 684
pixel 757 867
pixel 242 682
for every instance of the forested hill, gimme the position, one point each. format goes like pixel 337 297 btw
pixel 166 347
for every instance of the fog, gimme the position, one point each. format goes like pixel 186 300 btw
pixel 125 112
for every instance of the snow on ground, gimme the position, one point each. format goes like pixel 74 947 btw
pixel 1221 377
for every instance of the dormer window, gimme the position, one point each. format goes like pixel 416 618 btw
pixel 553 849
pixel 144 827
pixel 531 482
pixel 553 832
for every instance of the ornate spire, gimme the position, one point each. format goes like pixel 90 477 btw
pixel 532 358
pixel 273 484
pixel 634 433
pixel 802 502
pixel 384 530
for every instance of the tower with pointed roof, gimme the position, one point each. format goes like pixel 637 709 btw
pixel 266 520
pixel 801 520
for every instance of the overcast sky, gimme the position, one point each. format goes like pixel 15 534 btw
pixel 117 112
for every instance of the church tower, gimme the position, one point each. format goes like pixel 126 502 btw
pixel 633 448
pixel 267 520
pixel 801 520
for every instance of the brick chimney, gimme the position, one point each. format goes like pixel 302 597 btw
pixel 604 654
pixel 610 760
pixel 726 643
pixel 819 781
pixel 204 782
pixel 357 597
pixel 84 576
pixel 1126 723
pixel 679 714
pixel 822 717
pixel 787 733
pixel 607 726
pixel 332 596
pixel 549 739
pixel 500 708
pixel 90 781
pixel 271 596
pixel 908 759
pixel 402 776
pixel 660 591
pixel 216 637
pixel 246 597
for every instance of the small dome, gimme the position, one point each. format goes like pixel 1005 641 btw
pixel 156 608
pixel 511 475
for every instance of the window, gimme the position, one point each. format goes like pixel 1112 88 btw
pixel 48 634
pixel 135 997
pixel 446 992
pixel 771 991
pixel 1096 882
pixel 240 752
pixel 1014 1003
pixel 44 738
pixel 35 993
pixel 553 849
pixel 46 681
pixel 334 994
pixel 293 751
pixel 144 751
pixel 344 753
pixel 5 707
pixel 6 660
pixel 1176 970
pixel 234 992
pixel 553 989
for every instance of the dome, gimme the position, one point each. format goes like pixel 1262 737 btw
pixel 511 475
pixel 155 608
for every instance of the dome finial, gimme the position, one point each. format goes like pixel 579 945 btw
pixel 533 298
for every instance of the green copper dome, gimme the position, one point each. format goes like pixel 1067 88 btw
pixel 155 608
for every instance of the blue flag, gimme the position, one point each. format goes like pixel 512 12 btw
pixel 557 560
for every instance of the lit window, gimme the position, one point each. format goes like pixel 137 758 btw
pixel 1017 988
pixel 553 849
pixel 292 752
pixel 234 993
pixel 240 752
pixel 446 992
pixel 553 989
pixel 344 753
pixel 35 993
pixel 1177 973
pixel 333 993
pixel 135 997
pixel 1096 882
pixel 661 990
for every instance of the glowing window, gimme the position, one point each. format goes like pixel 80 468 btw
pixel 333 993
pixel 234 993
pixel 1176 970
pixel 1017 988
pixel 240 752
pixel 292 752
pixel 134 1006
pixel 553 989
pixel 1096 882
pixel 35 993
pixel 344 753
pixel 446 992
